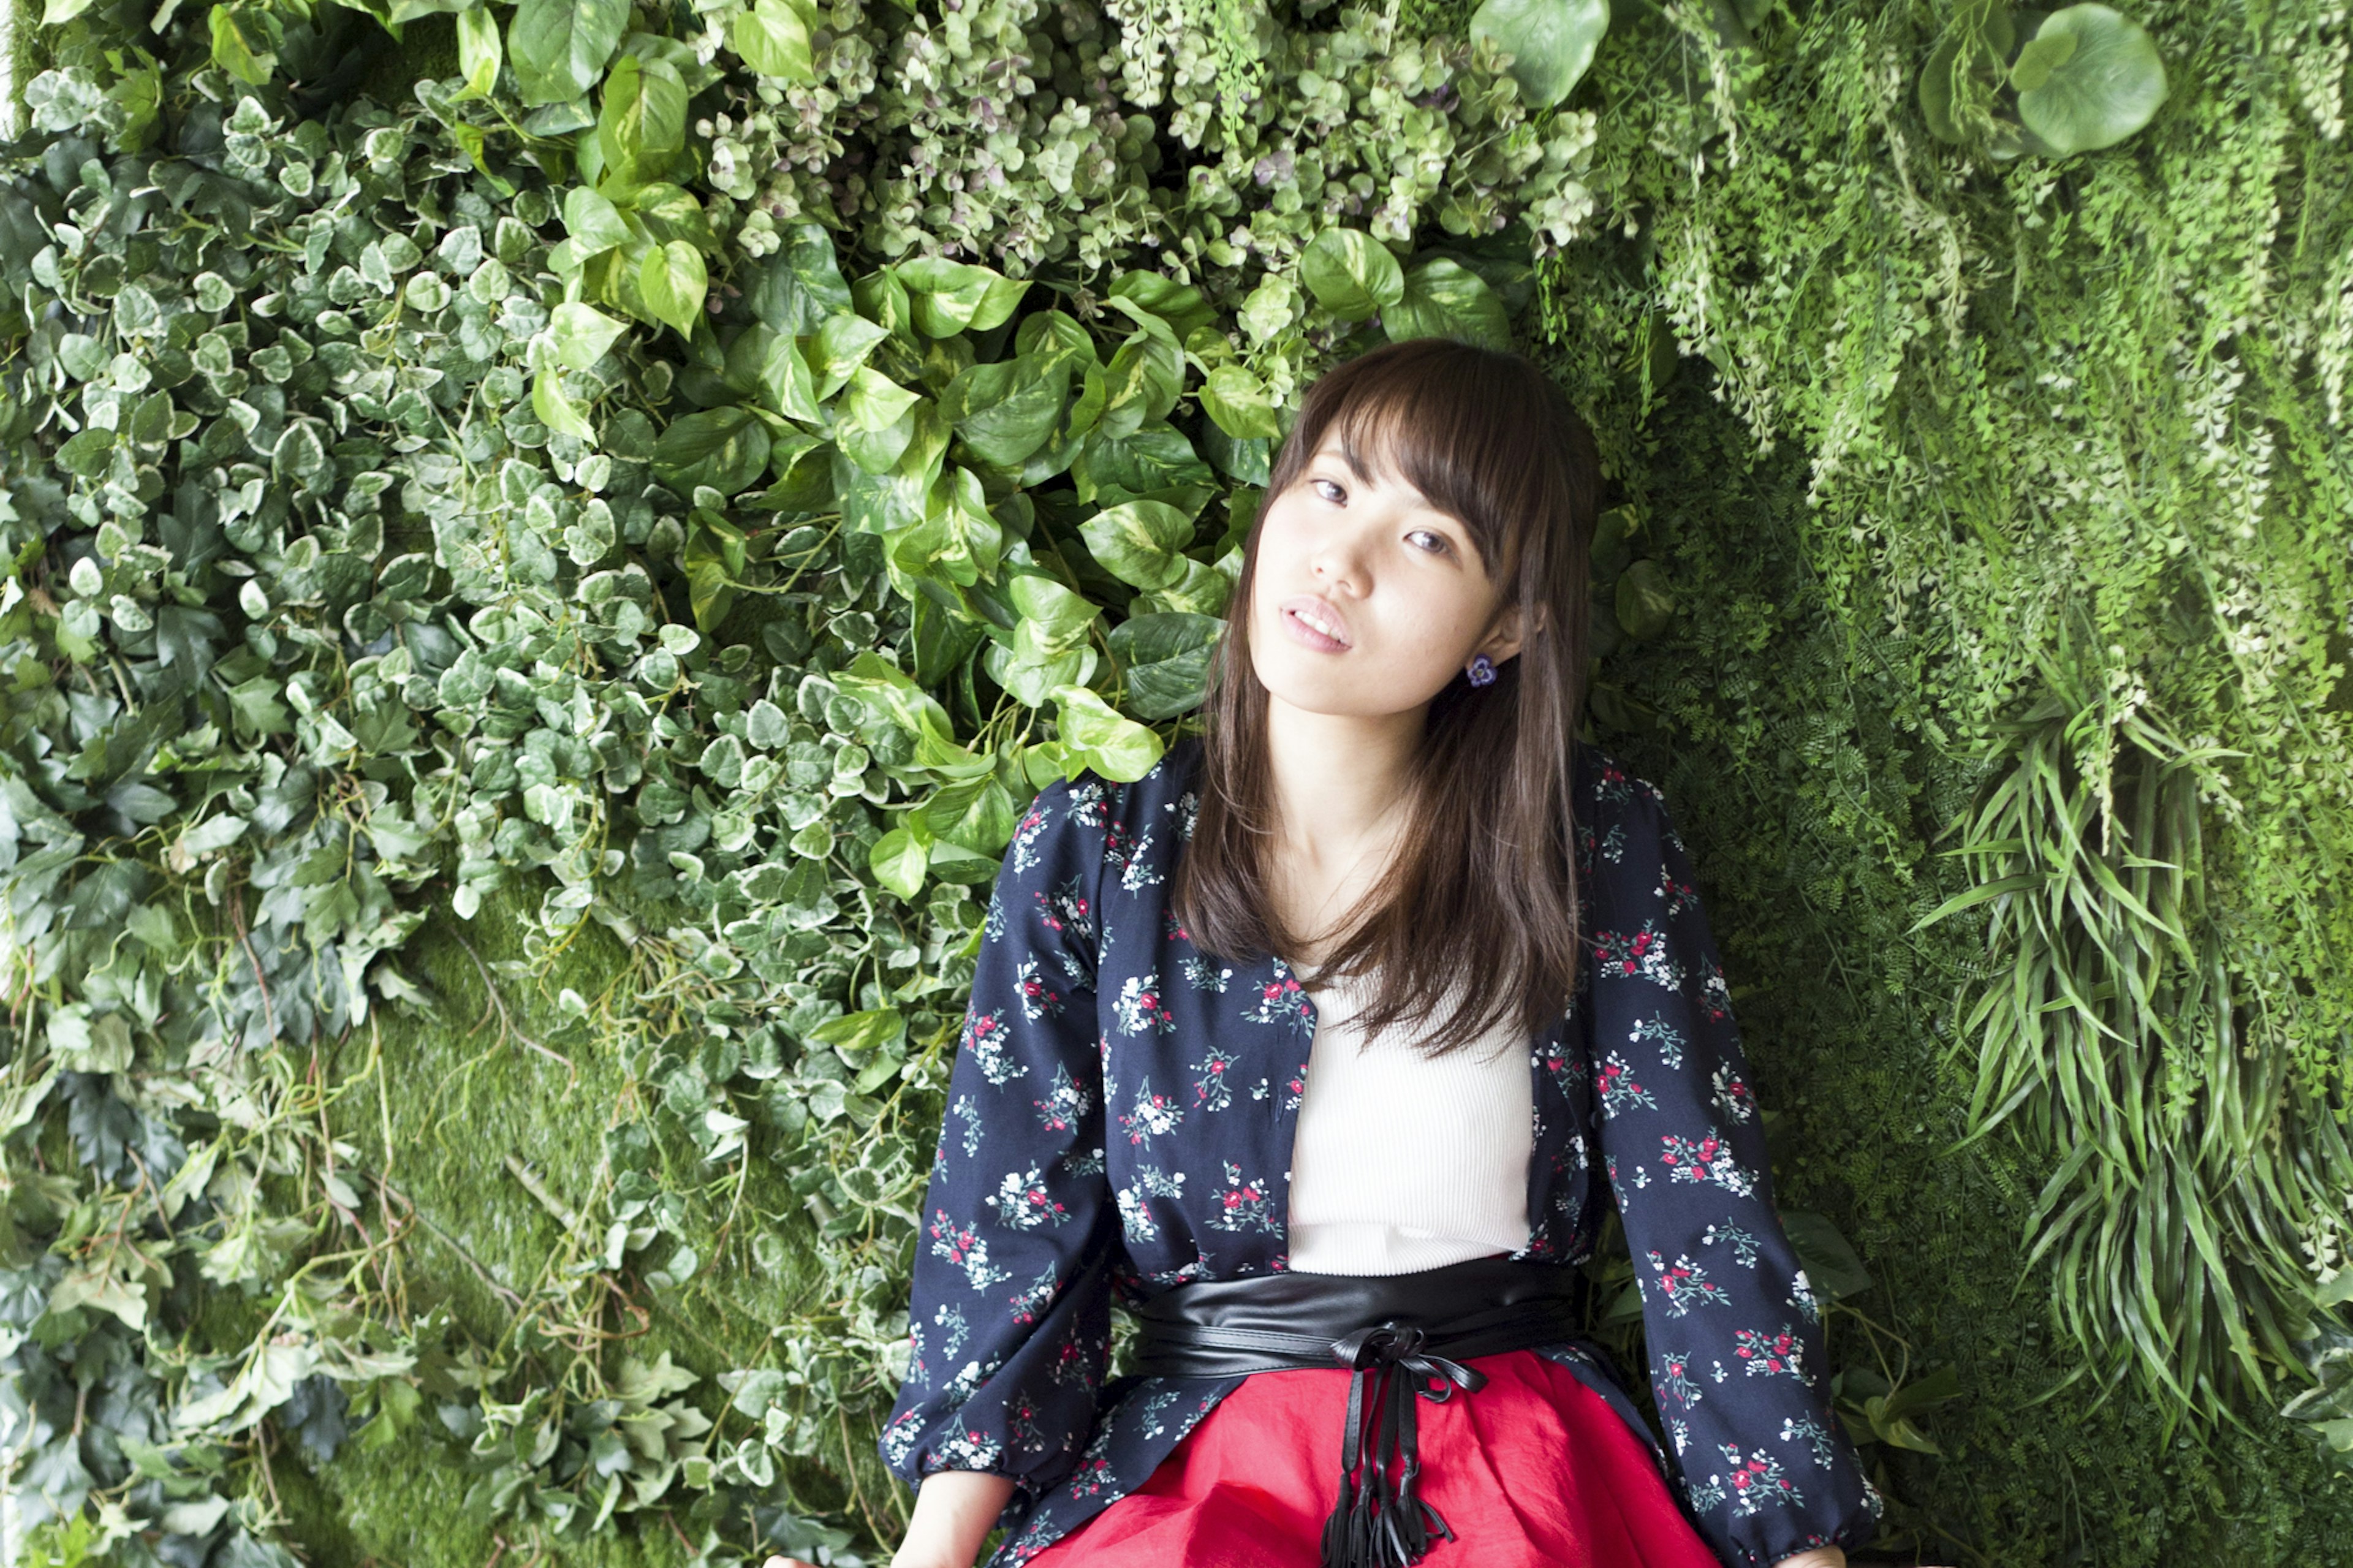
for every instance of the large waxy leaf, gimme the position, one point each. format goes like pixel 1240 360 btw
pixel 1551 42
pixel 1351 274
pixel 773 40
pixel 672 281
pixel 559 48
pixel 1138 543
pixel 726 448
pixel 1444 298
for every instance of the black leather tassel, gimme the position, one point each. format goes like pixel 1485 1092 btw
pixel 1379 1519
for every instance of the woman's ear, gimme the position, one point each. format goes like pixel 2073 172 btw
pixel 1505 640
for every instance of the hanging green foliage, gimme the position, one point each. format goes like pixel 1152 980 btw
pixel 2181 1197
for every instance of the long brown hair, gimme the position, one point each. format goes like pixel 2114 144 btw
pixel 1480 908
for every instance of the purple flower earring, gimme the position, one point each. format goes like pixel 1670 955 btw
pixel 1483 671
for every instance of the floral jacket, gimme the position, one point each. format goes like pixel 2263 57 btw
pixel 1120 1121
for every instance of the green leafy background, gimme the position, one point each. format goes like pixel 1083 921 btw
pixel 550 546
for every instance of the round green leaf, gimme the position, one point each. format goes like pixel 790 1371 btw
pixel 1551 42
pixel 673 282
pixel 1351 274
pixel 2106 87
pixel 559 47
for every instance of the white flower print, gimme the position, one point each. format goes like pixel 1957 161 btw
pixel 1033 1301
pixel 1155 1115
pixel 1676 896
pixel 1754 1484
pixel 1023 1202
pixel 1813 1433
pixel 1675 1381
pixel 968 1249
pixel 1644 953
pixel 1151 1182
pixel 1732 1096
pixel 954 1328
pixel 1138 1008
pixel 1066 1103
pixel 1143 870
pixel 1715 997
pixel 966 1111
pixel 1024 847
pixel 1801 1297
pixel 1771 1353
pixel 1135 1221
pixel 985 1039
pixel 1090 803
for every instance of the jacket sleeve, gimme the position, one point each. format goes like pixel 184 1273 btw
pixel 1733 1331
pixel 1009 1329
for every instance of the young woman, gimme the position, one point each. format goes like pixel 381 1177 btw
pixel 1323 1048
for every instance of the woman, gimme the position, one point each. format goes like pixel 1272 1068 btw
pixel 1322 1048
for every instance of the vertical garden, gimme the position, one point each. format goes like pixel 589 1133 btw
pixel 549 546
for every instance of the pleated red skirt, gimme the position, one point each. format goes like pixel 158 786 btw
pixel 1533 1470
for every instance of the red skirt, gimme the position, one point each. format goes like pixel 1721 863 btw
pixel 1533 1470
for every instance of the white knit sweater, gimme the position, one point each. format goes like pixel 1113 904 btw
pixel 1402 1161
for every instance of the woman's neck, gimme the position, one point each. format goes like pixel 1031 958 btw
pixel 1341 782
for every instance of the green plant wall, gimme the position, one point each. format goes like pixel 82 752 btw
pixel 549 546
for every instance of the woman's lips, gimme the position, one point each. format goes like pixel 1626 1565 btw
pixel 1304 615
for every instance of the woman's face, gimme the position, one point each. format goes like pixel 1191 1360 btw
pixel 1367 600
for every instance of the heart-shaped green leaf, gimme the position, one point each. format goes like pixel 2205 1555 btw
pixel 1351 274
pixel 672 279
pixel 559 47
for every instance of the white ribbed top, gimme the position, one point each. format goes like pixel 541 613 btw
pixel 1402 1162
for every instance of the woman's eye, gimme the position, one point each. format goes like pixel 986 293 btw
pixel 1437 541
pixel 1335 499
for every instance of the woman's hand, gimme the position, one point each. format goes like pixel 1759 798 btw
pixel 955 1512
pixel 1821 1557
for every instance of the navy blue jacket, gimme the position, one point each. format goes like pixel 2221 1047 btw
pixel 1120 1121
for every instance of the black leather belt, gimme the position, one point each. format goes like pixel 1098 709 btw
pixel 1399 1335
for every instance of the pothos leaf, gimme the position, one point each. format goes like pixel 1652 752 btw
pixel 559 47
